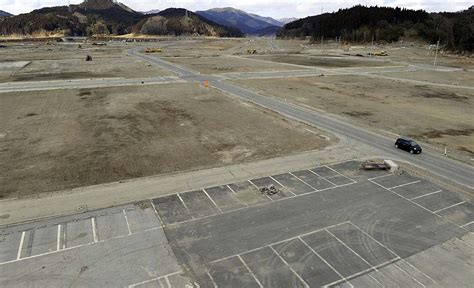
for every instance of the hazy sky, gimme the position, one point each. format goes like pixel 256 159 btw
pixel 273 8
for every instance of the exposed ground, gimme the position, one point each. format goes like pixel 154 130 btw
pixel 217 65
pixel 318 61
pixel 59 139
pixel 442 116
pixel 58 61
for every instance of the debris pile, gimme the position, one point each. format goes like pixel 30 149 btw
pixel 270 190
pixel 372 165
pixel 88 58
pixel 153 50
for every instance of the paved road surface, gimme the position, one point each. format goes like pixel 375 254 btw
pixel 330 224
pixel 84 83
pixel 434 162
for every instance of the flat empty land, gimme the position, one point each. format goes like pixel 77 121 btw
pixel 439 115
pixel 59 139
pixel 458 78
pixel 313 60
pixel 216 65
pixel 67 61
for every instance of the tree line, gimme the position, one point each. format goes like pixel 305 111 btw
pixel 362 24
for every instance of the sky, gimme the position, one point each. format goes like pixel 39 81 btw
pixel 273 8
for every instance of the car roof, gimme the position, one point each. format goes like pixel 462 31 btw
pixel 406 139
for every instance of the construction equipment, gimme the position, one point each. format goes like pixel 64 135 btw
pixel 153 50
pixel 378 53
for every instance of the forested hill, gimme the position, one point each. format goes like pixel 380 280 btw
pixel 361 24
pixel 106 17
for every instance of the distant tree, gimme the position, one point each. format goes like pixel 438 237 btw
pixel 155 26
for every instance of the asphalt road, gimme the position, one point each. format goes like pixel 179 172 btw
pixel 84 83
pixel 434 162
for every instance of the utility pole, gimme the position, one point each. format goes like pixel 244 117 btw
pixel 436 53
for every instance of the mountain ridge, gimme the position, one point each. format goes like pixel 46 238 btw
pixel 250 24
pixel 5 14
pixel 105 17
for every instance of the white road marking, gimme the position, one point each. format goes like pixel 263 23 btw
pixel 259 190
pixel 156 213
pixel 212 279
pixel 352 250
pixel 406 184
pixel 185 206
pixel 154 279
pixel 413 278
pixel 291 268
pixel 310 171
pixel 74 247
pixel 232 190
pixel 94 232
pixel 326 262
pixel 215 204
pixel 469 223
pixel 413 202
pixel 167 280
pixel 58 240
pixel 450 206
pixel 291 173
pixel 391 251
pixel 340 174
pixel 424 195
pixel 278 242
pixel 22 239
pixel 375 269
pixel 259 204
pixel 250 271
pixel 381 176
pixel 126 221
pixel 283 186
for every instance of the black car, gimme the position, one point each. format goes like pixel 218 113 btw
pixel 408 145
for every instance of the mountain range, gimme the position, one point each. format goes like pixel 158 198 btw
pixel 104 17
pixel 248 23
pixel 287 20
pixel 177 21
pixel 4 14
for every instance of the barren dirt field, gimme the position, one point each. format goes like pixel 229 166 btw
pixel 227 64
pixel 441 116
pixel 318 61
pixel 60 139
pixel 67 61
pixel 457 78
pixel 54 140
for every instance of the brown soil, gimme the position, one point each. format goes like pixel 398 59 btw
pixel 438 115
pixel 332 62
pixel 74 138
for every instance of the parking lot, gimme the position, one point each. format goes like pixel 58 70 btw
pixel 328 225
